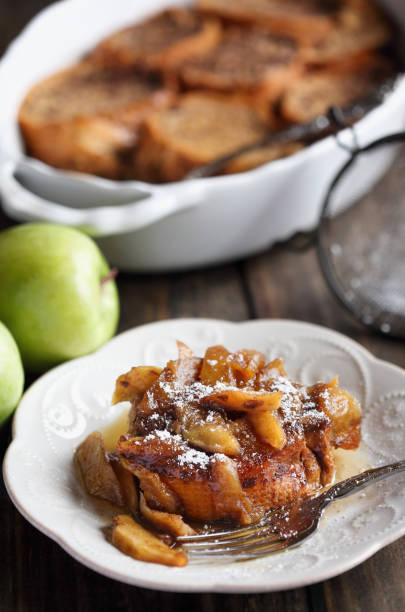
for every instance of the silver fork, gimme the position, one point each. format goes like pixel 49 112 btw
pixel 282 528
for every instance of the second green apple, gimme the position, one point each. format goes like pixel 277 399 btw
pixel 11 374
pixel 56 297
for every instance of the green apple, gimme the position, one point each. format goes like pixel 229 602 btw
pixel 11 374
pixel 57 296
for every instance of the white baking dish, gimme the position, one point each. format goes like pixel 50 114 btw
pixel 144 227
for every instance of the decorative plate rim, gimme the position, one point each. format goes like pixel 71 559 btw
pixel 176 584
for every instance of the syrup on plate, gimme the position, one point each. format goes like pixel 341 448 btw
pixel 114 430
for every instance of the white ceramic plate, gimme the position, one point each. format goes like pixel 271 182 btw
pixel 63 406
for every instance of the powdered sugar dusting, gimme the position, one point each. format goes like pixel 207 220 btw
pixel 185 456
pixel 183 396
pixel 163 434
pixel 296 403
pixel 299 409
pixel 194 457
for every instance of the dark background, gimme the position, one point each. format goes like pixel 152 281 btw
pixel 36 574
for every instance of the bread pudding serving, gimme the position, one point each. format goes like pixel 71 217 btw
pixel 225 437
pixel 123 110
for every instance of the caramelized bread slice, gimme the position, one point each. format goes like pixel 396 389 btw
pixel 200 128
pixel 321 89
pixel 246 59
pixel 215 487
pixel 359 28
pixel 161 41
pixel 85 118
pixel 305 20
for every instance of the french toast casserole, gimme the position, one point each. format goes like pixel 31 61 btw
pixel 225 437
pixel 190 84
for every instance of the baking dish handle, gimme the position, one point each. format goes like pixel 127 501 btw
pixel 22 204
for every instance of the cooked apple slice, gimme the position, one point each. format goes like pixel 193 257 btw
pixel 345 413
pixel 259 407
pixel 230 498
pixel 128 487
pixel 214 438
pixel 240 400
pixel 183 370
pixel 133 540
pixel 185 352
pixel 166 521
pixel 154 489
pixel 134 383
pixel 219 365
pixel 270 371
pixel 268 428
pixel 319 441
pixel 208 431
pixel 215 366
pixel 343 410
pixel 98 475
pixel 312 469
pixel 245 364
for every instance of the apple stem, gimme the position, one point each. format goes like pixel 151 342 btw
pixel 110 276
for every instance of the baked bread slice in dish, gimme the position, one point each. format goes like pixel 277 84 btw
pixel 198 129
pixel 359 27
pixel 320 89
pixel 161 41
pixel 250 60
pixel 305 20
pixel 86 117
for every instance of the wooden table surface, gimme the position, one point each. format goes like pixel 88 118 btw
pixel 36 574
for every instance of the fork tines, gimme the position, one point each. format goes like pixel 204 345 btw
pixel 244 543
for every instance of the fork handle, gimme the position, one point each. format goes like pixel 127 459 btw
pixel 360 481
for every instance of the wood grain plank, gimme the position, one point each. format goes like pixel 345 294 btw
pixel 213 293
pixel 377 584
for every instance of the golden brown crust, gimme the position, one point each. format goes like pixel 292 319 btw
pixel 338 86
pixel 250 60
pixel 359 28
pixel 260 479
pixel 200 128
pixel 86 118
pixel 305 20
pixel 160 42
